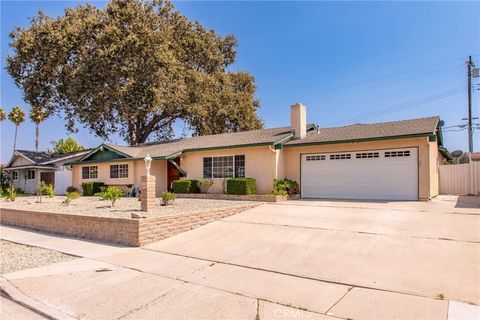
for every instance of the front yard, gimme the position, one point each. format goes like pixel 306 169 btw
pixel 124 207
pixel 95 219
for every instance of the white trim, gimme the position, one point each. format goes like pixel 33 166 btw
pixel 88 166
pixel 16 153
pixel 118 164
pixel 228 155
pixel 34 173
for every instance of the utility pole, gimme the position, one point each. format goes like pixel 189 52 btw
pixel 470 132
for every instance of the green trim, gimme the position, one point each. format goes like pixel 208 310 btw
pixel 113 160
pixel 283 139
pixel 361 140
pixel 182 172
pixel 432 138
pixel 445 153
pixel 230 147
pixel 101 148
pixel 278 146
pixel 174 155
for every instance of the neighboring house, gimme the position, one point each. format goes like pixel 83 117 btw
pixel 28 168
pixel 475 156
pixel 392 160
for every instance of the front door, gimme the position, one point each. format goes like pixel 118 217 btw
pixel 48 177
pixel 172 173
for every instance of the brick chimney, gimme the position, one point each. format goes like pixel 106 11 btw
pixel 298 120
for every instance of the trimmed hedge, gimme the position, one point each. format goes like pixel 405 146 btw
pixel 186 186
pixel 241 186
pixel 91 188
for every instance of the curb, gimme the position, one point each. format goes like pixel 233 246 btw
pixel 10 292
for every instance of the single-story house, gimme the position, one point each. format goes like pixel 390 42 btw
pixel 28 168
pixel 391 160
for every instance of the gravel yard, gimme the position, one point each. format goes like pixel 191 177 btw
pixel 124 207
pixel 17 257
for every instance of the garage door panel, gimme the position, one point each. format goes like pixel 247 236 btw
pixel 391 177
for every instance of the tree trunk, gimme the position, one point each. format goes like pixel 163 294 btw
pixel 15 139
pixel 36 137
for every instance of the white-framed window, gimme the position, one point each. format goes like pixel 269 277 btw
pixel 15 175
pixel 90 172
pixel 224 167
pixel 118 171
pixel 30 174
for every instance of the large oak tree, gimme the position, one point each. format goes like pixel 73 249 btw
pixel 132 68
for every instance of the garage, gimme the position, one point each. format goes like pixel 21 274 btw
pixel 389 174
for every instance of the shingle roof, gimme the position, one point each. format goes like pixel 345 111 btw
pixel 369 131
pixel 274 135
pixel 163 149
pixel 41 157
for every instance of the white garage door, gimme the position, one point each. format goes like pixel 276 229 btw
pixel 376 174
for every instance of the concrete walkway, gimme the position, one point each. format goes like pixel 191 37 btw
pixel 292 261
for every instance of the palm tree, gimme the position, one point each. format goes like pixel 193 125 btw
pixel 17 116
pixel 37 115
pixel 3 115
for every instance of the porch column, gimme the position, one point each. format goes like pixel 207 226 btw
pixel 147 196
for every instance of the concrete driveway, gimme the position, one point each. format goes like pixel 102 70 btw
pixel 293 260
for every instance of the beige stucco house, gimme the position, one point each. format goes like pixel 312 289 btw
pixel 391 160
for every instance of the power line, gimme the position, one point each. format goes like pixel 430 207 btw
pixel 402 106
pixel 380 78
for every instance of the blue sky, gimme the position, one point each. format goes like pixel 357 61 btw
pixel 347 62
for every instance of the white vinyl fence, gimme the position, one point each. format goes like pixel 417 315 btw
pixel 63 179
pixel 460 178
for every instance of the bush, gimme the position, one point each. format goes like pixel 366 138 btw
pixel 11 193
pixel 241 186
pixel 284 187
pixel 92 188
pixel 186 186
pixel 71 189
pixel 167 198
pixel 70 196
pixel 278 192
pixel 204 184
pixel 44 189
pixel 111 193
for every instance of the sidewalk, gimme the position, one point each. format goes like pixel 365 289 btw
pixel 114 282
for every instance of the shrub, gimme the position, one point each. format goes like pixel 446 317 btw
pixel 186 186
pixel 44 189
pixel 204 184
pixel 111 193
pixel 284 187
pixel 167 198
pixel 92 188
pixel 70 196
pixel 241 186
pixel 11 193
pixel 71 189
pixel 278 192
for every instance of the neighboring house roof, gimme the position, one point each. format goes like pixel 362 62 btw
pixel 475 156
pixel 370 131
pixel 273 136
pixel 44 159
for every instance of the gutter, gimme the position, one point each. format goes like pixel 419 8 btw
pixel 431 136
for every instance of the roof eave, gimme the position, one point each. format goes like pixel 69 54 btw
pixel 428 134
